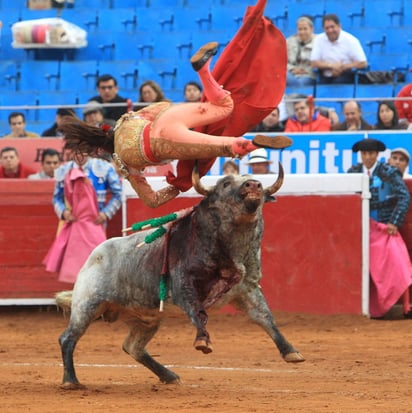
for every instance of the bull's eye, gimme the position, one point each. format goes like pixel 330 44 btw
pixel 226 184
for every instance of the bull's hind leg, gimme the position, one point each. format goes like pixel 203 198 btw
pixel 140 334
pixel 80 320
pixel 255 306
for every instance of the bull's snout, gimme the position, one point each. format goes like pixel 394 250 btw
pixel 252 185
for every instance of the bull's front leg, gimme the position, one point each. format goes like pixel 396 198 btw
pixel 254 304
pixel 188 300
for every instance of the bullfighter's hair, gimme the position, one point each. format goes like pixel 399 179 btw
pixel 82 138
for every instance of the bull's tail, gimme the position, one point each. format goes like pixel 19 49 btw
pixel 64 300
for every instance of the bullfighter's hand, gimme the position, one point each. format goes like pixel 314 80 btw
pixel 68 216
pixel 101 218
pixel 392 229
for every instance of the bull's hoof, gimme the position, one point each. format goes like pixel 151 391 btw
pixel 72 386
pixel 295 357
pixel 203 345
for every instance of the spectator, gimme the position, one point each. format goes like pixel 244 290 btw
pixel 270 123
pixel 93 114
pixel 352 111
pixel 259 162
pixel 54 131
pixel 79 200
pixel 300 71
pixel 400 158
pixel 151 92
pixel 50 160
pixel 192 92
pixel 336 53
pixel 17 122
pixel 10 166
pixel 108 93
pixel 390 267
pixel 387 116
pixel 404 107
pixel 305 118
pixel 230 168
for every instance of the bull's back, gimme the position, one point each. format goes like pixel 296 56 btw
pixel 119 271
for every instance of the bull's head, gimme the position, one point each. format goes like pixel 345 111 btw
pixel 203 190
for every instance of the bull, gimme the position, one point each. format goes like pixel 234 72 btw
pixel 213 258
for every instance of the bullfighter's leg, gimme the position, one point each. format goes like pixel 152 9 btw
pixel 255 306
pixel 140 333
pixel 172 136
pixel 80 319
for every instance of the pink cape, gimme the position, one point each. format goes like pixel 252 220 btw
pixel 76 240
pixel 390 268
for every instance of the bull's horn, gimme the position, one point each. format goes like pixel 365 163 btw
pixel 200 189
pixel 276 186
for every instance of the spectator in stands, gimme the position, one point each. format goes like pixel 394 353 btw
pixel 93 114
pixel 300 71
pixel 352 111
pixel 336 53
pixel 230 168
pixel 192 92
pixel 270 123
pixel 80 200
pixel 151 92
pixel 387 116
pixel 50 160
pixel 17 122
pixel 305 118
pixel 400 158
pixel 404 106
pixel 390 266
pixel 54 131
pixel 10 166
pixel 108 93
pixel 259 162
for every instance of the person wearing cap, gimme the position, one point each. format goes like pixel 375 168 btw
pixel 54 131
pixel 390 266
pixel 400 158
pixel 93 115
pixel 259 162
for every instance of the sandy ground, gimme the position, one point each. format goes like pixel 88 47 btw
pixel 353 364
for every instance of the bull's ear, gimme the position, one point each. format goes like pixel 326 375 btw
pixel 200 189
pixel 270 190
pixel 269 198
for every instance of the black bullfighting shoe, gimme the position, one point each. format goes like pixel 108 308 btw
pixel 272 142
pixel 199 59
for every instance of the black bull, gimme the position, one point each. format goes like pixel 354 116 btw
pixel 212 256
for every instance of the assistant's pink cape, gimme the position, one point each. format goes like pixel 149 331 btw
pixel 390 268
pixel 253 68
pixel 76 240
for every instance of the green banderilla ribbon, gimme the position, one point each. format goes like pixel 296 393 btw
pixel 153 236
pixel 162 291
pixel 151 223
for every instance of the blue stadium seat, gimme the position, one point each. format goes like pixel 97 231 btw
pixel 80 75
pixel 23 98
pixel 126 72
pixel 334 95
pixel 8 70
pixel 378 91
pixel 39 75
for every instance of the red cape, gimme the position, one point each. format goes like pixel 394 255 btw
pixel 253 68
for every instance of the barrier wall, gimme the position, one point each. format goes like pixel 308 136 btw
pixel 311 252
pixel 314 245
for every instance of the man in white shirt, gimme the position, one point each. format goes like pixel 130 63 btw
pixel 336 52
